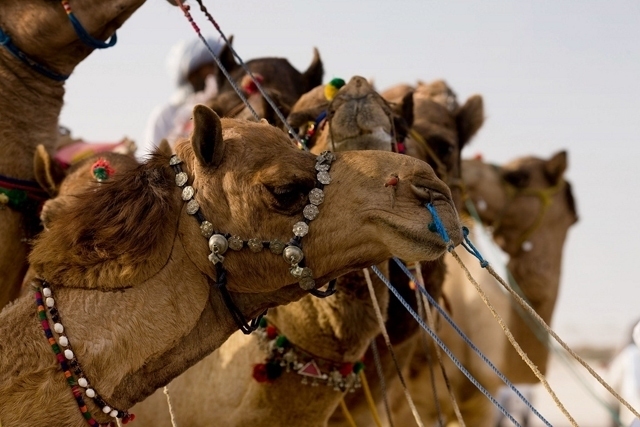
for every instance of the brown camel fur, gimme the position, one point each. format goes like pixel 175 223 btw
pixel 131 250
pixel 338 328
pixel 31 102
pixel 280 80
pixel 533 239
pixel 446 127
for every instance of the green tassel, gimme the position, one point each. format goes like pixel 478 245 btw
pixel 337 82
pixel 263 322
pixel 281 341
pixel 357 367
pixel 100 173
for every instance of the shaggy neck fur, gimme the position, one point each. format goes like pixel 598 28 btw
pixel 103 302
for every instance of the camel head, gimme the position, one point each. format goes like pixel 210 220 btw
pixel 44 32
pixel 441 127
pixel 279 79
pixel 357 118
pixel 522 200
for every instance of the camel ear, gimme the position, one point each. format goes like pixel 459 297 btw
pixel 164 148
pixel 469 119
pixel 554 167
pixel 206 138
pixel 406 108
pixel 48 173
pixel 315 72
pixel 228 62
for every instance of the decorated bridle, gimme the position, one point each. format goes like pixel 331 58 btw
pixel 512 192
pixel 292 252
pixel 82 33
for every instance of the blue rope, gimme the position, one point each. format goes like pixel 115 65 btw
pixel 87 38
pixel 469 342
pixel 438 223
pixel 5 41
pixel 472 249
pixel 443 346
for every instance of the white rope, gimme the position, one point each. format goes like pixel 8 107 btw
pixel 387 340
pixel 165 390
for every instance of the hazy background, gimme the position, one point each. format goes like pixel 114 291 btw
pixel 553 76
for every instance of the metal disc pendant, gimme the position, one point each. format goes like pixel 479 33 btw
pixel 206 229
pixel 316 196
pixel 276 246
pixel 307 283
pixel 300 229
pixel 174 160
pixel 255 245
pixel 181 179
pixel 235 243
pixel 322 167
pixel 326 157
pixel 293 254
pixel 324 177
pixel 310 212
pixel 192 206
pixel 218 244
pixel 187 193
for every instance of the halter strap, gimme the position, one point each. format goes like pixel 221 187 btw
pixel 83 35
pixel 5 41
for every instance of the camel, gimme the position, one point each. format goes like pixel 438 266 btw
pixel 530 207
pixel 32 73
pixel 279 79
pixel 336 330
pixel 132 250
pixel 441 128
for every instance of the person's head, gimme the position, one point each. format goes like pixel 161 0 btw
pixel 190 62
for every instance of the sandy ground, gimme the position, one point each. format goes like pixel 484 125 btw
pixel 579 392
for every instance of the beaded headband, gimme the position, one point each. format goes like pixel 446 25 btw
pixel 292 252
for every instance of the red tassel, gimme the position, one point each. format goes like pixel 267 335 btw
pixel 346 369
pixel 260 373
pixel 272 332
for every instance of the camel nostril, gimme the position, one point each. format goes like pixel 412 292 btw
pixel 427 195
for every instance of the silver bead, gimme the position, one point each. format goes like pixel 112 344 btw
pixel 218 244
pixel 235 243
pixel 215 258
pixel 320 167
pixel 187 193
pixel 324 177
pixel 181 179
pixel 255 245
pixel 300 229
pixel 310 212
pixel 307 283
pixel 206 229
pixel 192 206
pixel 293 254
pixel 296 271
pixel 316 196
pixel 306 272
pixel 276 246
pixel 326 157
pixel 175 160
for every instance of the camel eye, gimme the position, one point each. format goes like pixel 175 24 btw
pixel 517 178
pixel 442 147
pixel 290 197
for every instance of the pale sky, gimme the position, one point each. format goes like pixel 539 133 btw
pixel 553 76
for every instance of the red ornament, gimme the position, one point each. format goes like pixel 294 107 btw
pixel 346 369
pixel 272 332
pixel 260 373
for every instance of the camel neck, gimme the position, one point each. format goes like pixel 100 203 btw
pixel 31 105
pixel 339 327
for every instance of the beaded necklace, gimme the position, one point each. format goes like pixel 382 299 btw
pixel 69 364
pixel 292 252
pixel 284 356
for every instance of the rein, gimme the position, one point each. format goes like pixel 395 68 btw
pixel 292 252
pixel 42 69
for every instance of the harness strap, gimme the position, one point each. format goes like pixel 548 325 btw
pixel 83 35
pixel 440 167
pixel 5 41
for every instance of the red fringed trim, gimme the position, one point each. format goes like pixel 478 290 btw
pixel 248 85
